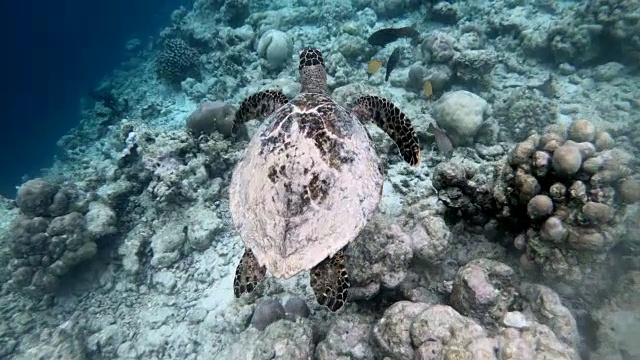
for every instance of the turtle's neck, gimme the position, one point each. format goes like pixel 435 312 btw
pixel 313 79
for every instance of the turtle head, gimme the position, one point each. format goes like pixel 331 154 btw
pixel 313 75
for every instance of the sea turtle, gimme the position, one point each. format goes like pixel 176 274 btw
pixel 309 181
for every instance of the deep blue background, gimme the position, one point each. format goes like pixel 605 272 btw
pixel 52 53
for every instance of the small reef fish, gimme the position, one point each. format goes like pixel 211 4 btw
pixel 444 145
pixel 384 36
pixel 374 65
pixel 394 59
pixel 428 89
pixel 548 88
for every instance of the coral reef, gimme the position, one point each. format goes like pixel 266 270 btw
pixel 65 342
pixel 408 330
pixel 519 243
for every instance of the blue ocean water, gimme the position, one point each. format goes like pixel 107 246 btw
pixel 54 53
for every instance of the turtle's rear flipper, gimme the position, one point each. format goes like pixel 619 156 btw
pixel 330 282
pixel 390 119
pixel 258 105
pixel 248 274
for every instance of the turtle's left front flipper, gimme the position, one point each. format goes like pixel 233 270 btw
pixel 330 282
pixel 393 121
pixel 258 105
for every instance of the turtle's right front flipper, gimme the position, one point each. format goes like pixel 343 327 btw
pixel 258 105
pixel 393 121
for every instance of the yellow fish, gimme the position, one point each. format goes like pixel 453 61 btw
pixel 428 89
pixel 373 66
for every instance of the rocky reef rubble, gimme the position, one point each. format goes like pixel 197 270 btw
pixel 63 342
pixel 491 315
pixel 183 170
pixel 616 324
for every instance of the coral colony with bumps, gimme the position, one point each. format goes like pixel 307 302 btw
pixel 343 180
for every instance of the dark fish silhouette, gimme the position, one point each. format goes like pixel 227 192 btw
pixel 548 87
pixel 444 145
pixel 109 100
pixel 393 61
pixel 384 36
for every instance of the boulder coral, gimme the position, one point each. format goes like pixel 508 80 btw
pixel 461 114
pixel 56 230
pixel 563 194
pixel 211 116
pixel 576 203
pixel 276 48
